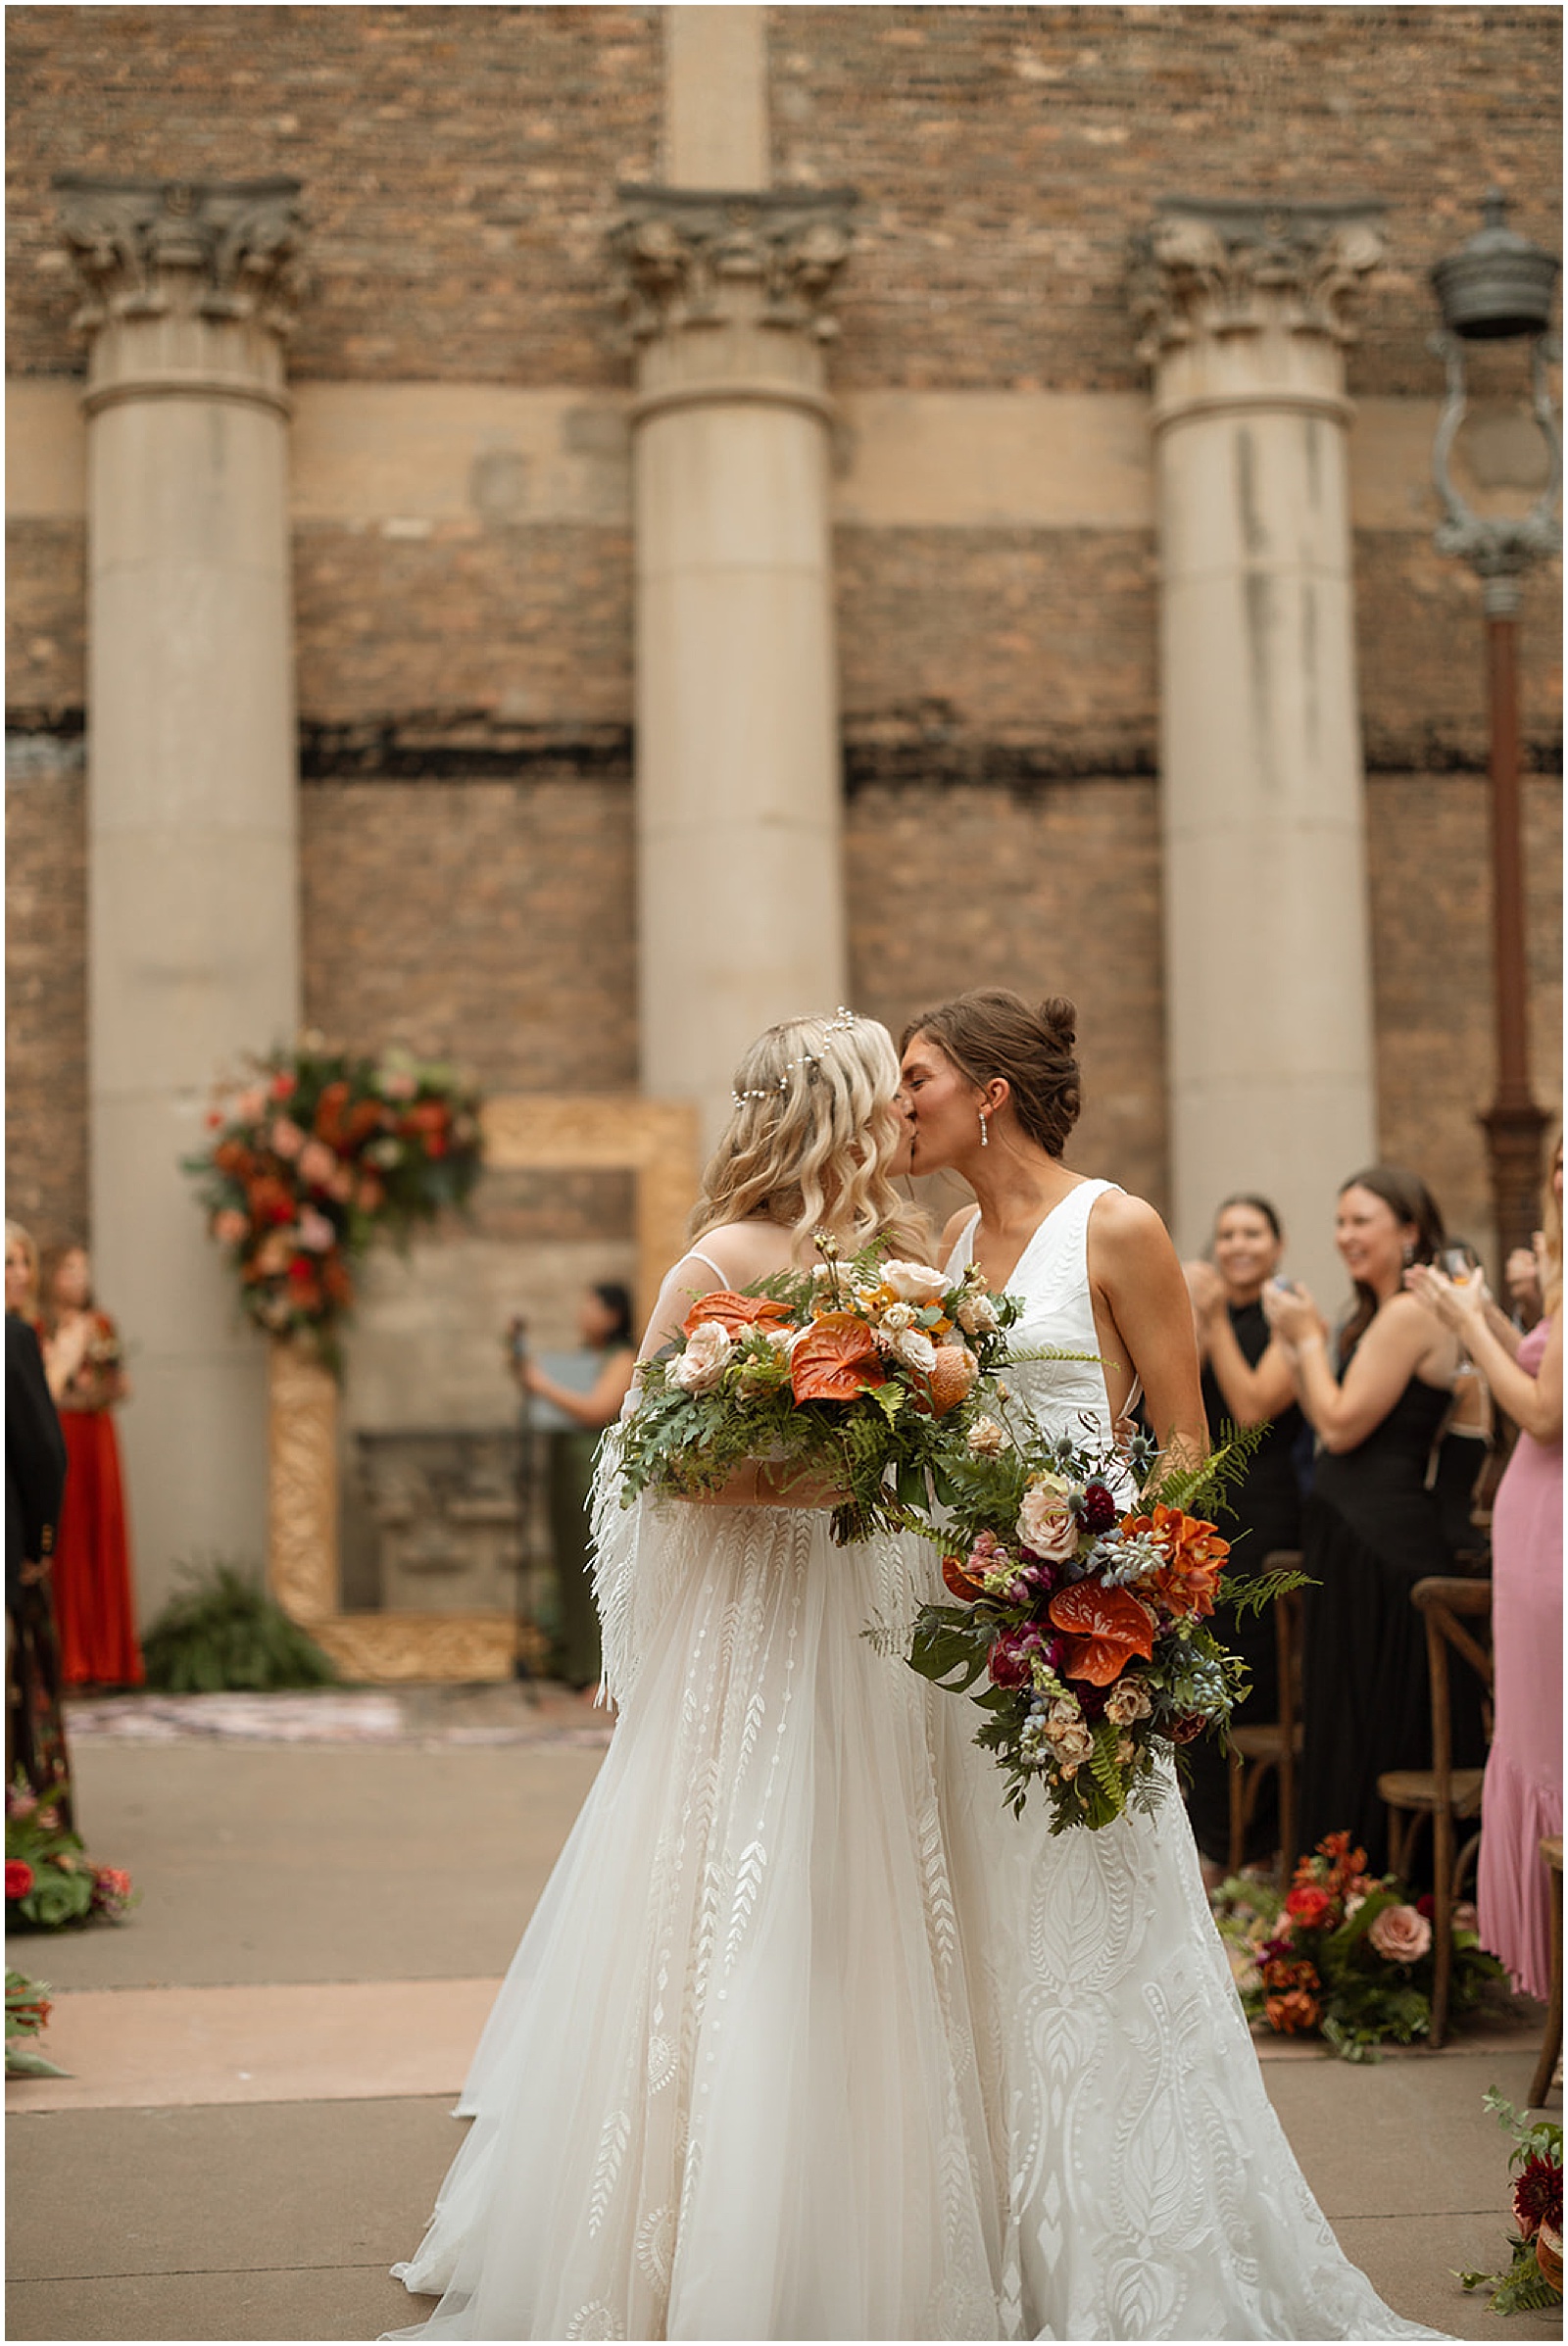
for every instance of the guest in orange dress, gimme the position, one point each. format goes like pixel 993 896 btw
pixel 95 1609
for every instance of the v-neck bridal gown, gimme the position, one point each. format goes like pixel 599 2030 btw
pixel 809 2038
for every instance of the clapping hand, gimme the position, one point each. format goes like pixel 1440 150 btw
pixel 1292 1313
pixel 1205 1289
pixel 1458 1302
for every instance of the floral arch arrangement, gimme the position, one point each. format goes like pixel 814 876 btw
pixel 315 1156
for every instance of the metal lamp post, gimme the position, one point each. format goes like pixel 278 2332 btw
pixel 1498 287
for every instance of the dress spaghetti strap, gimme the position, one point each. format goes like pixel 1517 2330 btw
pixel 695 1254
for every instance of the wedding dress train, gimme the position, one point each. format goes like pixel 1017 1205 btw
pixel 809 2038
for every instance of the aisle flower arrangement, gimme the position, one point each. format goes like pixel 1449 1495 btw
pixel 51 1883
pixel 1084 1619
pixel 1344 1954
pixel 1533 2282
pixel 853 1372
pixel 315 1156
pixel 28 2010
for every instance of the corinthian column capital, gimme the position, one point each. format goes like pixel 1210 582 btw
pixel 191 285
pixel 692 260
pixel 219 250
pixel 1222 267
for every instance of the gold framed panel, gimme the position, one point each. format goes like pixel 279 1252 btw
pixel 653 1140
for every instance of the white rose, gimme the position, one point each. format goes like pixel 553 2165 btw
pixel 913 1281
pixel 1046 1520
pixel 895 1318
pixel 783 1340
pixel 915 1350
pixel 988 1439
pixel 977 1316
pixel 709 1352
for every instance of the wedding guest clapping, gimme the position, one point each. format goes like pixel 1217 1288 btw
pixel 94 1605
pixel 1247 1382
pixel 1522 1796
pixel 1372 1526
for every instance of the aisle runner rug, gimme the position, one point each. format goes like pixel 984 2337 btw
pixel 422 1716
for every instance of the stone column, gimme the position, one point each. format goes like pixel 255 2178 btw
pixel 738 780
pixel 193 944
pixel 1267 953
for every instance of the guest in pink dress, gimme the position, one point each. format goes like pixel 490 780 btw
pixel 1522 1798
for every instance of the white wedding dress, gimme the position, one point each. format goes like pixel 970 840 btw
pixel 809 2038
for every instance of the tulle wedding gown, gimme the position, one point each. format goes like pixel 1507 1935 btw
pixel 809 2038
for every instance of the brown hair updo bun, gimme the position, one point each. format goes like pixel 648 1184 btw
pixel 994 1032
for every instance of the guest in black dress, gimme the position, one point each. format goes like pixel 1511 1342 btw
pixel 1372 1526
pixel 35 1481
pixel 1246 1381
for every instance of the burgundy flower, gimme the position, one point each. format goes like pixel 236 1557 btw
pixel 1009 1660
pixel 1537 2197
pixel 1099 1509
pixel 19 1877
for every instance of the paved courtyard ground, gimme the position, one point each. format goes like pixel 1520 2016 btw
pixel 264 2057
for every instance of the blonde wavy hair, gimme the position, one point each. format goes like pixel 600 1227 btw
pixel 810 1141
pixel 16 1236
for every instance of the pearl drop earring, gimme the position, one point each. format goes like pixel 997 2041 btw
pixel 985 1131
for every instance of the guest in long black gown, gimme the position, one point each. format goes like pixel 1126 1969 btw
pixel 1372 1528
pixel 1246 1381
pixel 35 1481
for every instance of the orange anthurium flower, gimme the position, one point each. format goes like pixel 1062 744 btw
pixel 1106 1628
pixel 836 1360
pixel 959 1581
pixel 1195 1558
pixel 736 1313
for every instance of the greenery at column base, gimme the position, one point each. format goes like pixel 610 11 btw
pixel 222 1633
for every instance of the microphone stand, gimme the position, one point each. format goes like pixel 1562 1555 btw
pixel 526 1480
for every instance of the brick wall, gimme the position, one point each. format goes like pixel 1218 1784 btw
pixel 460 167
pixel 1053 890
pixel 528 625
pixel 1431 974
pixel 46 1005
pixel 46 618
pixel 1004 156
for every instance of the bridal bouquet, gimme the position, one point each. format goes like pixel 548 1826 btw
pixel 1088 1620
pixel 853 1372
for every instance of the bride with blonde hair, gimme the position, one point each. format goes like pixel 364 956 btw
pixel 729 2088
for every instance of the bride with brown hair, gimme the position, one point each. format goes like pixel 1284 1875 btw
pixel 728 2090
pixel 1148 2190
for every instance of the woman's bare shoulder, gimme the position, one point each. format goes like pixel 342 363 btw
pixel 740 1250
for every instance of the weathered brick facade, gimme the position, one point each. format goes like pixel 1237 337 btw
pixel 465 686
pixel 461 167
pixel 1004 156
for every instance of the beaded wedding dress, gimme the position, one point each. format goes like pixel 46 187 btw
pixel 809 2038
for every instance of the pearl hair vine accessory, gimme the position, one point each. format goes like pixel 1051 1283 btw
pixel 839 1024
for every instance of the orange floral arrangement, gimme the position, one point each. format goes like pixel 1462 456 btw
pixel 1344 1954
pixel 313 1157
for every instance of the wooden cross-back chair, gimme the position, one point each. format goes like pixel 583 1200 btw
pixel 1272 1743
pixel 1446 1795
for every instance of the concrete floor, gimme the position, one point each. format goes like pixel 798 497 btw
pixel 246 2159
